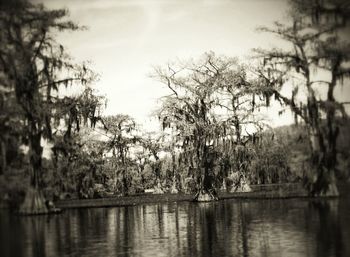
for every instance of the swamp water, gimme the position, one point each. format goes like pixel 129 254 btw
pixel 290 227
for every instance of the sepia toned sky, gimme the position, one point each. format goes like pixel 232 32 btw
pixel 125 38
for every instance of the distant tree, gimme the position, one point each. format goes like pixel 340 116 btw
pixel 153 145
pixel 78 165
pixel 319 48
pixel 141 159
pixel 241 97
pixel 171 147
pixel 120 130
pixel 36 68
pixel 269 163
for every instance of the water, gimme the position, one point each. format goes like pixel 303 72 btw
pixel 294 227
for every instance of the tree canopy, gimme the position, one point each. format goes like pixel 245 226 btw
pixel 35 68
pixel 318 46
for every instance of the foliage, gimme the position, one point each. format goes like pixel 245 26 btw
pixel 120 130
pixel 35 68
pixel 78 166
pixel 201 129
pixel 270 163
pixel 11 130
pixel 318 46
pixel 211 130
pixel 153 146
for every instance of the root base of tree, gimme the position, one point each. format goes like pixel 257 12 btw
pixel 158 189
pixel 332 191
pixel 242 187
pixel 223 187
pixel 174 190
pixel 205 196
pixel 34 204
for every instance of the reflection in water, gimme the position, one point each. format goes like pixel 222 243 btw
pixel 292 227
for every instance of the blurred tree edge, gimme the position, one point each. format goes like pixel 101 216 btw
pixel 319 45
pixel 34 68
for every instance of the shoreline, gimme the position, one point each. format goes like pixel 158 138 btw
pixel 267 191
pixel 264 191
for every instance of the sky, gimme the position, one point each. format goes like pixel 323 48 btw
pixel 125 39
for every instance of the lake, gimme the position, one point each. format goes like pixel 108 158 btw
pixel 289 227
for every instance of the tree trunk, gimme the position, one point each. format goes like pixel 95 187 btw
pixel 174 187
pixel 206 192
pixel 125 189
pixel 34 201
pixel 241 185
pixel 142 177
pixel 3 157
pixel 324 161
pixel 158 188
pixel 323 154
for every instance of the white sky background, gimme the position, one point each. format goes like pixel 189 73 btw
pixel 125 38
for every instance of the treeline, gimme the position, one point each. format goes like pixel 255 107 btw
pixel 212 133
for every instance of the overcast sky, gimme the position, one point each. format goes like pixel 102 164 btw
pixel 125 38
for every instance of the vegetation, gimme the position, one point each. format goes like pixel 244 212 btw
pixel 32 64
pixel 119 129
pixel 318 46
pixel 213 137
pixel 212 101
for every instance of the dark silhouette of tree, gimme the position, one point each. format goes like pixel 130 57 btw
pixel 11 129
pixel 318 46
pixel 36 68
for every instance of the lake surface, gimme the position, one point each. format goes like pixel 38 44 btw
pixel 291 227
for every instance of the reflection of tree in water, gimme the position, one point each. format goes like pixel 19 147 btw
pixel 243 230
pixel 177 227
pixel 293 227
pixel 10 231
pixel 328 232
pixel 191 229
pixel 214 229
pixel 36 229
pixel 92 225
pixel 160 220
pixel 217 229
pixel 208 229
pixel 127 230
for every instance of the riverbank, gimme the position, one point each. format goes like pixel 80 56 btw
pixel 290 190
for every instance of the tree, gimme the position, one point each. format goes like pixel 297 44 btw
pixel 78 165
pixel 318 46
pixel 193 112
pixel 153 145
pixel 36 67
pixel 141 159
pixel 270 164
pixel 171 148
pixel 119 129
pixel 241 96
pixel 11 129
